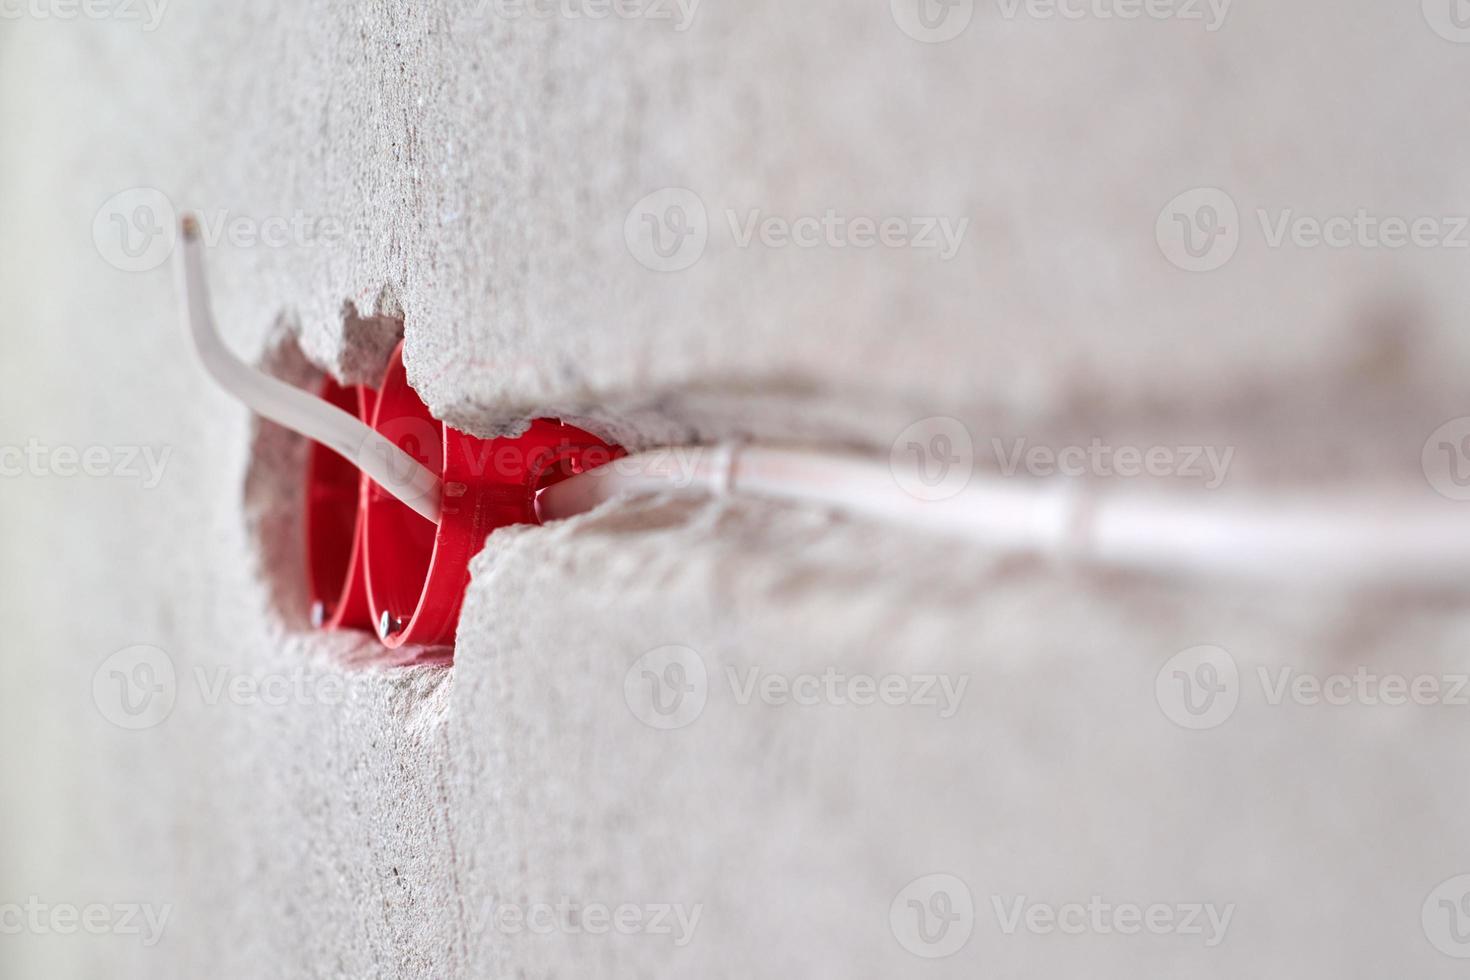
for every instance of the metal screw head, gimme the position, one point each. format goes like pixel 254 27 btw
pixel 388 624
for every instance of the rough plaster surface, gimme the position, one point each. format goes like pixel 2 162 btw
pixel 483 169
pixel 487 168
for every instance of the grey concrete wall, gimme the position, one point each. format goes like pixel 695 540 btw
pixel 483 185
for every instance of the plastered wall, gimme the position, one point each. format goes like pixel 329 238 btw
pixel 599 219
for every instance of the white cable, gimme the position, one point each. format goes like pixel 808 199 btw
pixel 393 469
pixel 1341 541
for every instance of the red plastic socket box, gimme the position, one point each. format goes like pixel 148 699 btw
pixel 373 563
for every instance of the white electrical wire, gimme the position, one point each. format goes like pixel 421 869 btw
pixel 1344 541
pixel 1322 539
pixel 394 470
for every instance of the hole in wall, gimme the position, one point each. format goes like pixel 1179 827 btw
pixel 332 509
pixel 275 505
pixel 275 502
pixel 399 572
pixel 274 490
pixel 367 340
